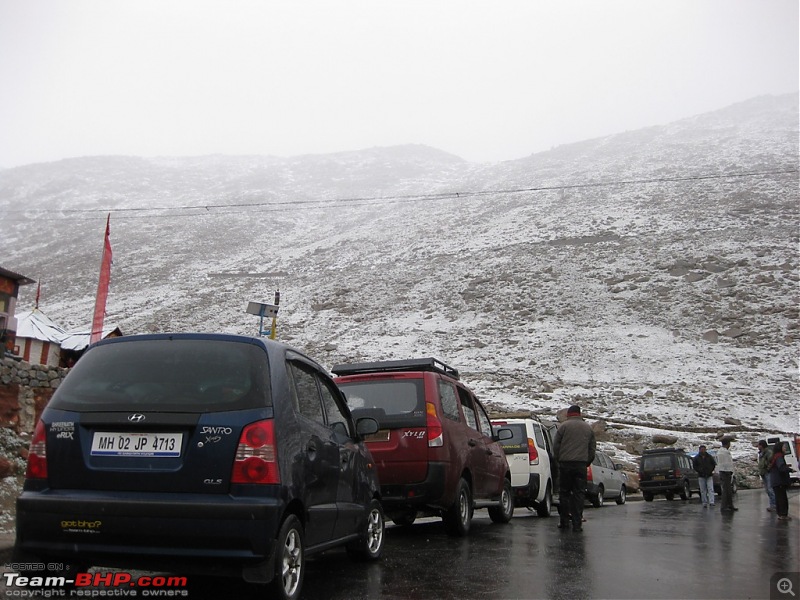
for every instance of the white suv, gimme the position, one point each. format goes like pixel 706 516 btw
pixel 530 458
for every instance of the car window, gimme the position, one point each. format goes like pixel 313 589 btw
pixel 537 433
pixel 606 462
pixel 337 420
pixel 393 403
pixel 519 442
pixel 656 462
pixel 306 393
pixel 447 394
pixel 486 426
pixel 192 375
pixel 466 406
pixel 596 460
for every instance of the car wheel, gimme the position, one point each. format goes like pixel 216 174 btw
pixel 405 519
pixel 503 512
pixel 545 507
pixel 670 496
pixel 289 560
pixel 458 517
pixel 597 499
pixel 623 495
pixel 685 493
pixel 370 545
pixel 648 497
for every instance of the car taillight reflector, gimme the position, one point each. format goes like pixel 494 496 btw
pixel 256 457
pixel 677 472
pixel 37 455
pixel 533 453
pixel 589 473
pixel 435 431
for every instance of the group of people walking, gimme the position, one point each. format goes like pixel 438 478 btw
pixel 574 449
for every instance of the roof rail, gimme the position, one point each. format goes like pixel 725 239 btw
pixel 386 366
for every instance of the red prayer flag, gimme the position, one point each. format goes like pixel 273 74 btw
pixel 102 287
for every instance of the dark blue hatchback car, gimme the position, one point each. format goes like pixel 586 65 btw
pixel 203 453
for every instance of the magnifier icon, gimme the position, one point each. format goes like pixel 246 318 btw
pixel 785 586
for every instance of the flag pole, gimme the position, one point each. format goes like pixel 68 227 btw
pixel 102 287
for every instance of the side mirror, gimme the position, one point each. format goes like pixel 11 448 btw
pixel 366 426
pixel 502 434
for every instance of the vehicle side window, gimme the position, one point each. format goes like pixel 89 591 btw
pixel 537 433
pixel 606 462
pixel 336 418
pixel 466 406
pixel 447 394
pixel 306 393
pixel 486 425
pixel 597 461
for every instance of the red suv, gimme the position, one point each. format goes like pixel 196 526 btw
pixel 436 452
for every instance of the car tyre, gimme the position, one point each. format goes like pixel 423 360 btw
pixel 670 495
pixel 370 546
pixel 648 496
pixel 597 499
pixel 289 560
pixel 685 493
pixel 623 495
pixel 545 507
pixel 503 512
pixel 458 518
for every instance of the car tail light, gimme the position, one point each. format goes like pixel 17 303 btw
pixel 435 431
pixel 533 453
pixel 37 455
pixel 589 473
pixel 678 473
pixel 256 457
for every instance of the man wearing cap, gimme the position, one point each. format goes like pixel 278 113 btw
pixel 574 449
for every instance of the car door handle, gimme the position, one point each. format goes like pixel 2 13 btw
pixel 311 449
pixel 489 452
pixel 472 442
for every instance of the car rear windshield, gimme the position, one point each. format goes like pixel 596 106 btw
pixel 517 444
pixel 395 403
pixel 657 462
pixel 167 374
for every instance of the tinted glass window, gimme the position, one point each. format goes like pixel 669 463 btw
pixel 517 444
pixel 336 418
pixel 164 374
pixel 466 407
pixel 307 393
pixel 657 462
pixel 597 461
pixel 486 426
pixel 447 395
pixel 394 403
pixel 537 433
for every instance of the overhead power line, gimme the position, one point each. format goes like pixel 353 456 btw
pixel 377 200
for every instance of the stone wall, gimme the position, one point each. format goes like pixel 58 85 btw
pixel 25 389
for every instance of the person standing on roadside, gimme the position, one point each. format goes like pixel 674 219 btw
pixel 764 460
pixel 705 464
pixel 725 464
pixel 779 479
pixel 574 449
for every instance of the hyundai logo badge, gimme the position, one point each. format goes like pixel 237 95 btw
pixel 136 418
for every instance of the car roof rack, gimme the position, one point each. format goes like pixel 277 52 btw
pixel 666 449
pixel 387 366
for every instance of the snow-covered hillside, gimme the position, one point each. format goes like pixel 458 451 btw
pixel 651 276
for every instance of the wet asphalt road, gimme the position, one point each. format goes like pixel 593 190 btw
pixel 654 549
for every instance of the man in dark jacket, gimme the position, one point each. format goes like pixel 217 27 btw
pixel 705 464
pixel 574 449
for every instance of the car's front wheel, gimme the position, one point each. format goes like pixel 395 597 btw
pixel 370 545
pixel 458 517
pixel 289 560
pixel 623 495
pixel 503 512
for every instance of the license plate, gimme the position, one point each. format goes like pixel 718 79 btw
pixel 659 477
pixel 378 436
pixel 115 443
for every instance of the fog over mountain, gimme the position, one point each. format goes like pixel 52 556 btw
pixel 651 276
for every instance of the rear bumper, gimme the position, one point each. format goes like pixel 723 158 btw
pixel 212 534
pixel 526 495
pixel 661 487
pixel 430 492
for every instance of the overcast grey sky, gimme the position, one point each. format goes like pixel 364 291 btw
pixel 487 81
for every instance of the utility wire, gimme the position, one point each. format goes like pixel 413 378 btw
pixel 377 200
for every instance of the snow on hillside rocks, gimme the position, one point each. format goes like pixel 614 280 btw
pixel 651 276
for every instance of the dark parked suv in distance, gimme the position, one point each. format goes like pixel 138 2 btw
pixel 667 471
pixel 207 453
pixel 436 452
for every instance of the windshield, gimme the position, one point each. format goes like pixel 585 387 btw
pixel 198 375
pixel 397 403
